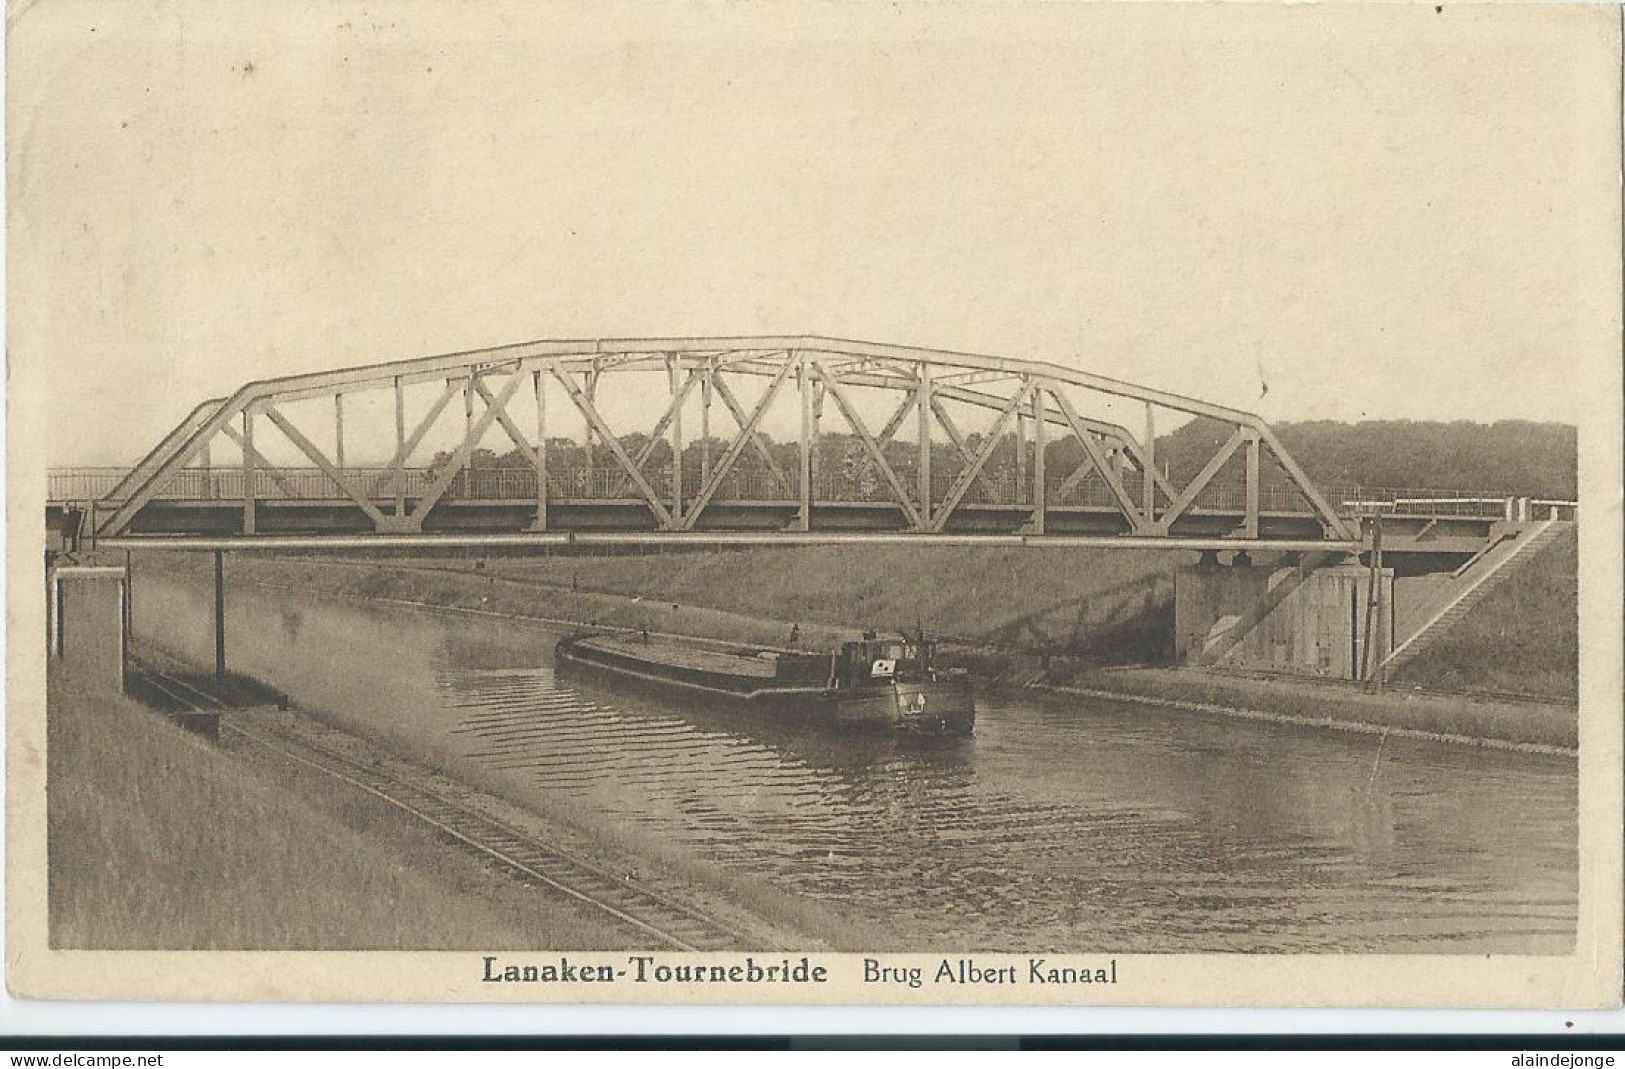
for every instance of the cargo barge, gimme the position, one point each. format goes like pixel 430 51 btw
pixel 888 683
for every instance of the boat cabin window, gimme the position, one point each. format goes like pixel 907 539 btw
pixel 881 660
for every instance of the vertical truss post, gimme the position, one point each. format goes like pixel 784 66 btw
pixel 1021 459
pixel 468 431
pixel 248 469
pixel 676 437
pixel 923 401
pixel 400 445
pixel 817 386
pixel 804 395
pixel 705 422
pixel 207 462
pixel 219 614
pixel 1039 489
pixel 541 449
pixel 1250 523
pixel 128 603
pixel 1149 501
pixel 1373 601
pixel 338 430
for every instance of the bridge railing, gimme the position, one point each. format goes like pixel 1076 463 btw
pixel 848 484
pixel 228 484
pixel 1373 501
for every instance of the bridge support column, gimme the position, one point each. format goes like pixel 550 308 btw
pixel 1040 444
pixel 1306 620
pixel 87 625
pixel 804 473
pixel 1148 487
pixel 249 470
pixel 129 601
pixel 219 614
pixel 1249 523
pixel 540 390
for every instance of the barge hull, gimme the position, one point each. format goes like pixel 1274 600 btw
pixel 937 707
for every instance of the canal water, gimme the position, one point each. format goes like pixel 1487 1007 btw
pixel 1070 824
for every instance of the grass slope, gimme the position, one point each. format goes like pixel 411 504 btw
pixel 1524 636
pixel 963 592
pixel 159 840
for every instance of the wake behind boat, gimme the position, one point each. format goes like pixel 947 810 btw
pixel 870 682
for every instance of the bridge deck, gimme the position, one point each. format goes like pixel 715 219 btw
pixel 307 508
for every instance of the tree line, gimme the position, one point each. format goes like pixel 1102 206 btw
pixel 1514 457
pixel 1509 456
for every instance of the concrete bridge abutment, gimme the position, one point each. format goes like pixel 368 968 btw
pixel 87 613
pixel 90 617
pixel 1305 619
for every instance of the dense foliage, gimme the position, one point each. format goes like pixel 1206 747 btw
pixel 1508 457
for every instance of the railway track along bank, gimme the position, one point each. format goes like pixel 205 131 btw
pixel 652 919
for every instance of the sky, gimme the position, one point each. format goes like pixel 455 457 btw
pixel 1379 211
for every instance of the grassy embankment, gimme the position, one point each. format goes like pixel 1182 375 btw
pixel 1098 606
pixel 159 840
pixel 1524 636
pixel 1058 600
pixel 1071 604
pixel 1464 718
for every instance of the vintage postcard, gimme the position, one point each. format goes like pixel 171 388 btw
pixel 1027 504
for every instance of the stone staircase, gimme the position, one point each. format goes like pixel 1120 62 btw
pixel 1469 586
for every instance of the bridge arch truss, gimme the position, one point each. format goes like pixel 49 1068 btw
pixel 930 432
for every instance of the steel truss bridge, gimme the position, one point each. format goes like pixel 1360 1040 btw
pixel 886 443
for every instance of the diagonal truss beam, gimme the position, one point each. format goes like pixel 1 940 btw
pixel 436 490
pixel 1137 520
pixel 954 377
pixel 596 422
pixel 1334 524
pixel 1198 484
pixel 1137 453
pixel 506 422
pixel 183 447
pixel 747 430
pixel 1077 475
pixel 390 480
pixel 156 458
pixel 257 460
pixel 962 482
pixel 307 447
pixel 957 439
pixel 832 387
pixel 656 435
pixel 741 418
pixel 905 405
pixel 977 398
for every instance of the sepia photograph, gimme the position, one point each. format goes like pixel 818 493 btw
pixel 1021 504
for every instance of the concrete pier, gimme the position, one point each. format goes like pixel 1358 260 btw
pixel 1310 621
pixel 88 615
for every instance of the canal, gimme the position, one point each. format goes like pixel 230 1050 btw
pixel 1061 825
